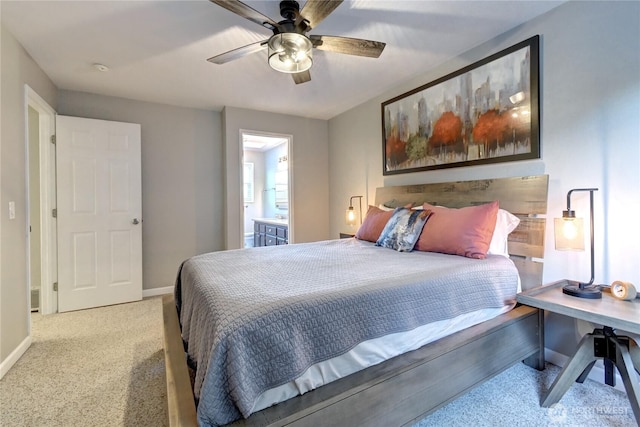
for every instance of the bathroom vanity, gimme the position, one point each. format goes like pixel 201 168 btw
pixel 270 231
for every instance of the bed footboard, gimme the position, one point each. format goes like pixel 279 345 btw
pixel 397 392
pixel 407 388
pixel 180 401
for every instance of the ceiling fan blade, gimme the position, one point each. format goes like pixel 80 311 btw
pixel 239 52
pixel 302 77
pixel 247 12
pixel 314 11
pixel 348 45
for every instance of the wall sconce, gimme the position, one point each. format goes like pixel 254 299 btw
pixel 351 214
pixel 569 236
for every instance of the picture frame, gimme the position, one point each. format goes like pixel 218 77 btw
pixel 487 112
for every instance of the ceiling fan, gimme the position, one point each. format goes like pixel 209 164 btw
pixel 289 48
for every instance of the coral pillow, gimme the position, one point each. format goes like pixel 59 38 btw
pixel 373 224
pixel 465 231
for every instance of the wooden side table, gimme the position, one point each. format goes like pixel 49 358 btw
pixel 602 343
pixel 347 235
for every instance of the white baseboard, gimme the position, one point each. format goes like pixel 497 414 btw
pixel 146 293
pixel 596 374
pixel 14 356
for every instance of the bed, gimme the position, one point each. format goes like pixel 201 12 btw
pixel 397 389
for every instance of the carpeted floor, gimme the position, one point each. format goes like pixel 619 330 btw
pixel 99 367
pixel 512 399
pixel 105 367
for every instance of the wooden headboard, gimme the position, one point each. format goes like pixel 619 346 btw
pixel 525 197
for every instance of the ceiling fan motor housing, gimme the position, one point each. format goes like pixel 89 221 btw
pixel 289 9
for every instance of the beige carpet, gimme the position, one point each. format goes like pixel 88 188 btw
pixel 105 367
pixel 99 367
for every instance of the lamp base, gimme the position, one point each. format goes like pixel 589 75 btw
pixel 581 290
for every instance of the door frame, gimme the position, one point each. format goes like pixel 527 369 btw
pixel 48 251
pixel 290 216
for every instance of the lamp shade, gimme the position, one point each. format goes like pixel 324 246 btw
pixel 569 234
pixel 290 52
pixel 350 216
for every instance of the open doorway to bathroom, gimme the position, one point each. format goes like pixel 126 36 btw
pixel 266 188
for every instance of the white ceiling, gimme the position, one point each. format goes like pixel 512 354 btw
pixel 157 50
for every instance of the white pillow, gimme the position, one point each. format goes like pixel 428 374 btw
pixel 387 208
pixel 506 222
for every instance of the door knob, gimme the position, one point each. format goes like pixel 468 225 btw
pixel 135 221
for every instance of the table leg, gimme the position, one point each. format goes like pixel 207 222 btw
pixel 626 359
pixel 536 360
pixel 625 365
pixel 634 351
pixel 576 365
pixel 583 376
pixel 608 352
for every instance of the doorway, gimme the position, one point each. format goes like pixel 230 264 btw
pixel 42 212
pixel 266 183
pixel 41 201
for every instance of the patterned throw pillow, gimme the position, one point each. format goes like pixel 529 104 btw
pixel 374 222
pixel 403 229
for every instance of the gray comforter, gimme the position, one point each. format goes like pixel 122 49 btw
pixel 254 319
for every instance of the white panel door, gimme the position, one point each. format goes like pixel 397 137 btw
pixel 99 213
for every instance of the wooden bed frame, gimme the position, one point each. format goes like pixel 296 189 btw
pixel 408 387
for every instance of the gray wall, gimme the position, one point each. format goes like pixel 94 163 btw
pixel 590 136
pixel 182 178
pixel 16 69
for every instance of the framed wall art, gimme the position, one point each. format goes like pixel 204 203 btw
pixel 487 112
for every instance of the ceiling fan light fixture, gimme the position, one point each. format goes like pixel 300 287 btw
pixel 290 52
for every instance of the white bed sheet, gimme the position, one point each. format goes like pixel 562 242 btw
pixel 372 352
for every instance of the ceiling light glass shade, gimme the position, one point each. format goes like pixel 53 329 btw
pixel 290 52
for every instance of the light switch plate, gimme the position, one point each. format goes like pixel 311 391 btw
pixel 12 210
